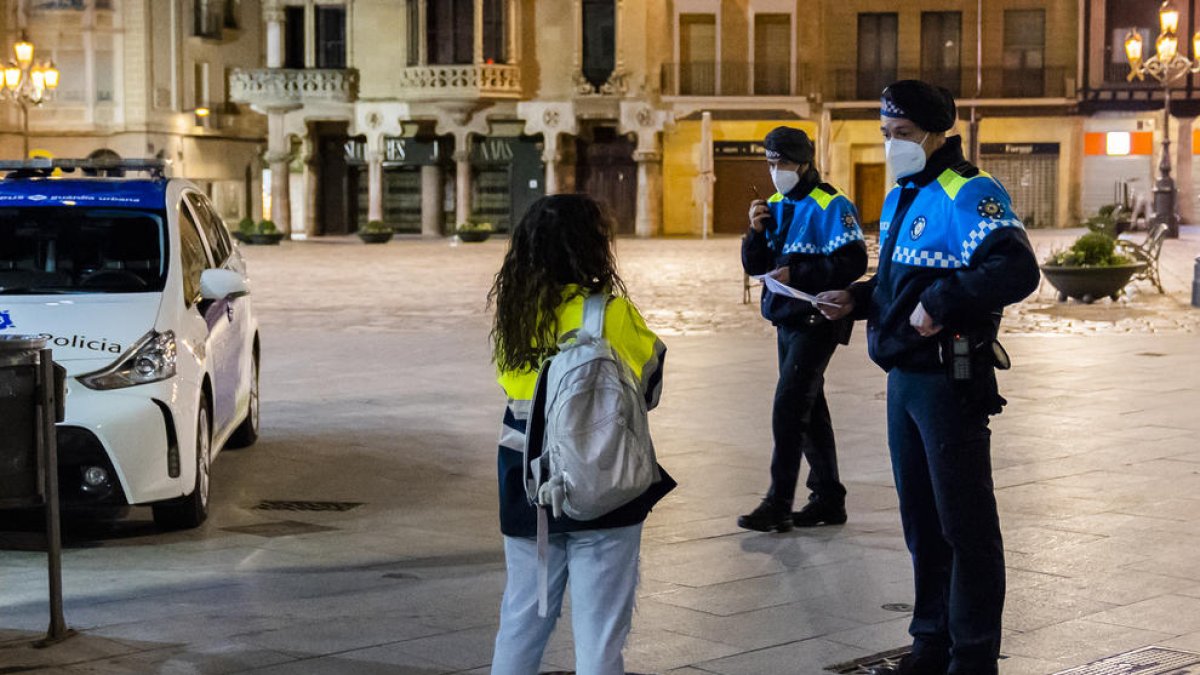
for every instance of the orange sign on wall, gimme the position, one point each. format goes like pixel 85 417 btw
pixel 1122 143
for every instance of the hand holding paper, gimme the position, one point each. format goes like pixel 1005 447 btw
pixel 781 288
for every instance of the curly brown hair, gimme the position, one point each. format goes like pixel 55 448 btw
pixel 562 239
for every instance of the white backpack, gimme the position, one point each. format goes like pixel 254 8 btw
pixel 588 449
pixel 587 446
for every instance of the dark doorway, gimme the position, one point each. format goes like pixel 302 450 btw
pixel 869 190
pixel 734 190
pixel 606 171
pixel 334 206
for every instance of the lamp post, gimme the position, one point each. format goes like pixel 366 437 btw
pixel 27 83
pixel 1166 66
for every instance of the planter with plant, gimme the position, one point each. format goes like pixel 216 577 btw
pixel 474 231
pixel 1090 269
pixel 375 232
pixel 264 232
pixel 244 229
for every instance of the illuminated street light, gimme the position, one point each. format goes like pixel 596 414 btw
pixel 1166 66
pixel 26 83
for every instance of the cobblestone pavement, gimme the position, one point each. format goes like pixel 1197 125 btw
pixel 686 287
pixel 378 394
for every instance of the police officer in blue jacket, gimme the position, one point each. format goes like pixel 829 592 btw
pixel 808 238
pixel 952 255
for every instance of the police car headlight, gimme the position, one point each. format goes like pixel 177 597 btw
pixel 152 359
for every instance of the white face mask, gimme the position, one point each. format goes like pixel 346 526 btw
pixel 784 180
pixel 904 158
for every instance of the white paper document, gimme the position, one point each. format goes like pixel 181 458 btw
pixel 781 288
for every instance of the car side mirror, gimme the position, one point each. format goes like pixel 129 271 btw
pixel 217 284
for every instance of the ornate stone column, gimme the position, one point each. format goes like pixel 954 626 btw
pixel 1185 200
pixel 462 184
pixel 551 157
pixel 552 120
pixel 639 117
pixel 431 200
pixel 274 18
pixel 311 186
pixel 649 193
pixel 278 159
pixel 374 185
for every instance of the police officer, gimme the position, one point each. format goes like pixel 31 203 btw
pixel 953 254
pixel 807 237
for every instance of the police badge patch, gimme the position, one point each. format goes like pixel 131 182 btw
pixel 918 227
pixel 990 207
pixel 848 221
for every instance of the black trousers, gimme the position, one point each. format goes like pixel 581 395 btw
pixel 800 416
pixel 941 459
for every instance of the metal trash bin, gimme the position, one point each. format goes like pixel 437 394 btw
pixel 22 466
pixel 31 401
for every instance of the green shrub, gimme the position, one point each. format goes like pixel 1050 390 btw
pixel 376 226
pixel 475 226
pixel 246 226
pixel 267 227
pixel 1094 249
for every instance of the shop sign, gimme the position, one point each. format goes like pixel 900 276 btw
pixel 753 149
pixel 493 150
pixel 396 151
pixel 1018 148
pixel 356 151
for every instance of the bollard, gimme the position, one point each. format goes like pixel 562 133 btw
pixel 31 393
pixel 1196 285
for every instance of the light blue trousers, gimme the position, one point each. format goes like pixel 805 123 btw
pixel 601 566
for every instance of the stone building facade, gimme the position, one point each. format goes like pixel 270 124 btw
pixel 134 76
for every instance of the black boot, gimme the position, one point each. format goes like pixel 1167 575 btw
pixel 910 665
pixel 820 512
pixel 768 517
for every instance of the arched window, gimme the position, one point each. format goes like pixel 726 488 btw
pixel 599 33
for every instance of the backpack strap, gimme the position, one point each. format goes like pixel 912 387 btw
pixel 593 314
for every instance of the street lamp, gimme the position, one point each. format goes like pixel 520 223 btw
pixel 27 83
pixel 1165 66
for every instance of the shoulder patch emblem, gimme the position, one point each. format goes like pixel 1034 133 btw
pixel 848 220
pixel 990 207
pixel 918 228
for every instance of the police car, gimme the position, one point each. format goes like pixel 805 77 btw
pixel 144 299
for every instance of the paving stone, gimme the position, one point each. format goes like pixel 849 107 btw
pixel 383 395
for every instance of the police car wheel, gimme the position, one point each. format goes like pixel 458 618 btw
pixel 191 511
pixel 246 433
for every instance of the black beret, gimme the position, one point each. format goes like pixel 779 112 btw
pixel 929 106
pixel 790 144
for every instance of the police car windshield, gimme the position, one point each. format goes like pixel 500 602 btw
pixel 55 250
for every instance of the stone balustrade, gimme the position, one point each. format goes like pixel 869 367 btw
pixel 467 81
pixel 286 87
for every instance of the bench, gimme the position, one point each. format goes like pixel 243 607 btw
pixel 1146 252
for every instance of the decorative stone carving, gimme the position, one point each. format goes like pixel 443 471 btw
pixel 616 85
pixel 550 118
pixel 282 87
pixel 461 81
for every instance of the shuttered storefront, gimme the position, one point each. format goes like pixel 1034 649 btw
pixel 1029 171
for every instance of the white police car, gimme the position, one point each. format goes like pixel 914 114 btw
pixel 143 296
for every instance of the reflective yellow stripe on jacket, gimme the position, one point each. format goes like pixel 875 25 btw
pixel 624 329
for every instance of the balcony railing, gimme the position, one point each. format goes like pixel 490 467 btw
pixel 998 83
pixel 732 78
pixel 283 87
pixel 466 81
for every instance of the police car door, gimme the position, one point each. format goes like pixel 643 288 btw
pixel 223 343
